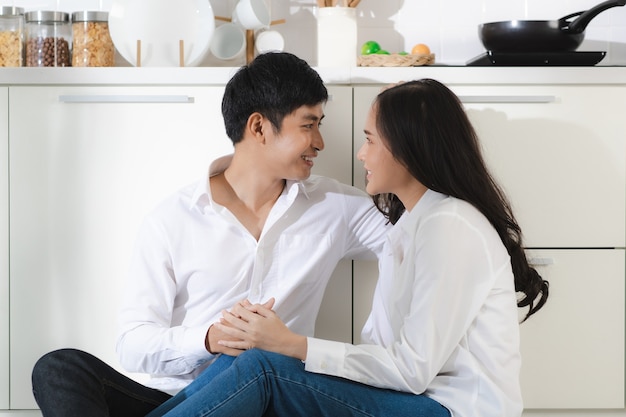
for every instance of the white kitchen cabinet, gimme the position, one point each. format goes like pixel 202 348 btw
pixel 560 154
pixel 334 320
pixel 89 171
pixel 4 248
pixel 87 163
pixel 563 165
pixel 573 349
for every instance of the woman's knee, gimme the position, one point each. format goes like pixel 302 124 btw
pixel 258 355
pixel 264 361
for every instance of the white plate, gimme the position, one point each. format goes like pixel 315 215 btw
pixel 161 25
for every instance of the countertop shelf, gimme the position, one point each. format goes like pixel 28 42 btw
pixel 349 76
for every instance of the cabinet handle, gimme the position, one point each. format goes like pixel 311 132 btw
pixel 507 99
pixel 125 99
pixel 541 261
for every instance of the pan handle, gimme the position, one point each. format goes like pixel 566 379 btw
pixel 579 25
pixel 565 19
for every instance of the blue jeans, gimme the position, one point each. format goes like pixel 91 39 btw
pixel 70 382
pixel 220 364
pixel 260 383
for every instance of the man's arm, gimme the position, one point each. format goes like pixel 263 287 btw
pixel 213 336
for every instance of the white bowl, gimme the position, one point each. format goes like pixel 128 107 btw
pixel 160 25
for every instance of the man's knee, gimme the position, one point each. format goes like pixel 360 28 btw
pixel 56 362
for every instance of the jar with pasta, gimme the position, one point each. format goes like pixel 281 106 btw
pixel 11 36
pixel 92 44
pixel 48 39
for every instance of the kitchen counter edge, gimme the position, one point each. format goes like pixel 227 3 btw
pixel 335 76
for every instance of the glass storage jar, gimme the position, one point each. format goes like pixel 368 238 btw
pixel 91 42
pixel 48 39
pixel 11 36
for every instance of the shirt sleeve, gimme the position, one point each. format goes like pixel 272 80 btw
pixel 366 225
pixel 146 341
pixel 435 295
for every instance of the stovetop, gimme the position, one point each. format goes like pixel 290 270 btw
pixel 511 59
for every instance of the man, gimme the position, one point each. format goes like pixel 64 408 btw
pixel 257 227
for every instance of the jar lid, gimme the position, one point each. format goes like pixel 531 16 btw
pixel 47 16
pixel 88 16
pixel 11 11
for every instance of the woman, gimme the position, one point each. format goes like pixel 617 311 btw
pixel 442 337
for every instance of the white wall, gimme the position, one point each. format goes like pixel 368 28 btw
pixel 449 27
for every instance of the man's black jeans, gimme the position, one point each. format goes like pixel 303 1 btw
pixel 70 382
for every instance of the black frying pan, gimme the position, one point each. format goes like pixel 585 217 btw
pixel 541 35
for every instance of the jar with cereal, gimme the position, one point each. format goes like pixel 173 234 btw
pixel 48 39
pixel 11 36
pixel 92 45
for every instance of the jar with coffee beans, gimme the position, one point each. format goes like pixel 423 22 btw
pixel 48 39
pixel 11 36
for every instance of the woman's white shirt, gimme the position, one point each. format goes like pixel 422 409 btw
pixel 444 318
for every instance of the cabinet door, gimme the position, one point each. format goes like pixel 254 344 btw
pixel 4 248
pixel 560 154
pixel 334 320
pixel 558 151
pixel 86 165
pixel 365 272
pixel 84 175
pixel 573 348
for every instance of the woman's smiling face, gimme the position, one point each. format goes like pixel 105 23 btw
pixel 384 173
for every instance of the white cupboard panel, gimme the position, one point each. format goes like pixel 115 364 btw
pixel 83 175
pixel 560 154
pixel 334 320
pixel 87 164
pixel 336 130
pixel 365 273
pixel 4 248
pixel 364 282
pixel 363 97
pixel 573 348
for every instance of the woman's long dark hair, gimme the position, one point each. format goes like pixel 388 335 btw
pixel 427 130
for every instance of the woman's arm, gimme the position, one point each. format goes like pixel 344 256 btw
pixel 258 326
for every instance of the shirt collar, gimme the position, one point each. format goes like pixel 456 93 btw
pixel 408 221
pixel 202 194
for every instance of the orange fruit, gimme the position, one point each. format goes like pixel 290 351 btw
pixel 420 49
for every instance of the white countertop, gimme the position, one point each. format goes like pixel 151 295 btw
pixel 348 76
